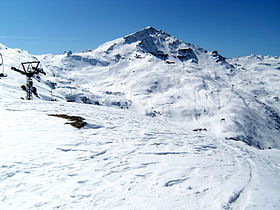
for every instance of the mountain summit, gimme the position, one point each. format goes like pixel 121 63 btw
pixel 161 44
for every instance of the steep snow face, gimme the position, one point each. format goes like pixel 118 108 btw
pixel 257 83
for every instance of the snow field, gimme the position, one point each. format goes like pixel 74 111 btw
pixel 120 160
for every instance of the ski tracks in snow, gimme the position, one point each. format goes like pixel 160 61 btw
pixel 261 191
pixel 125 161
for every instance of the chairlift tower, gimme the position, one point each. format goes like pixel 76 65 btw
pixel 29 70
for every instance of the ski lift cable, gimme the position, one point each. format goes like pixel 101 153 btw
pixel 2 74
pixel 2 62
pixel 11 58
pixel 7 65
pixel 18 61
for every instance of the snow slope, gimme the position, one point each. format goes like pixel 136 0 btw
pixel 168 135
pixel 123 160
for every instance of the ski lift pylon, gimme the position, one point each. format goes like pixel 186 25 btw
pixel 2 74
pixel 29 70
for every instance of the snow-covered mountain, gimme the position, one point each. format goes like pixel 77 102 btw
pixel 154 73
pixel 174 117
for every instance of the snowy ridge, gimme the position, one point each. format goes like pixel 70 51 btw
pixel 167 132
pixel 3 47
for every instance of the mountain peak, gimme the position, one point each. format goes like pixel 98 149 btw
pixel 150 29
pixel 153 41
pixel 145 33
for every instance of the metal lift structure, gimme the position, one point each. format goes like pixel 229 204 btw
pixel 29 70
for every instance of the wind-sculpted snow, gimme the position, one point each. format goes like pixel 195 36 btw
pixel 123 160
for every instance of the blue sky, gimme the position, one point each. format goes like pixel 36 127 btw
pixel 234 28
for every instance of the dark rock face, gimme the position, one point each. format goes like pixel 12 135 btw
pixel 150 41
pixel 160 45
pixel 186 54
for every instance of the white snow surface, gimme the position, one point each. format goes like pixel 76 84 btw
pixel 3 47
pixel 170 126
